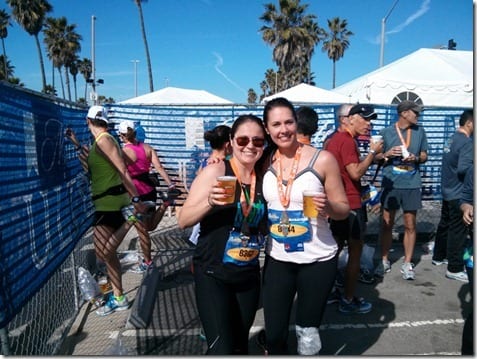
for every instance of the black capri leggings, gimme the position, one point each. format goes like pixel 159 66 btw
pixel 227 311
pixel 281 280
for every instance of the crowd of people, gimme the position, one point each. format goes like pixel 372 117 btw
pixel 273 163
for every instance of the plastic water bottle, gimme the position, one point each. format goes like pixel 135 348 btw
pixel 89 287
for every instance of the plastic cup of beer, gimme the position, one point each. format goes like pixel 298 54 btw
pixel 376 138
pixel 309 208
pixel 228 183
pixel 104 285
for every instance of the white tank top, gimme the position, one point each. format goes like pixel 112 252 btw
pixel 322 246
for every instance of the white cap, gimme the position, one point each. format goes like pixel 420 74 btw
pixel 124 125
pixel 98 113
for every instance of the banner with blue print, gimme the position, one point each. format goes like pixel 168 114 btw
pixel 45 206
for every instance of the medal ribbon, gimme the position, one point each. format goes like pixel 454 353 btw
pixel 285 196
pixel 245 200
pixel 408 135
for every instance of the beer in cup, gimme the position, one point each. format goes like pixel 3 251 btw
pixel 376 138
pixel 309 208
pixel 229 183
pixel 104 285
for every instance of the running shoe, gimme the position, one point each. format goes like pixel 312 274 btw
pixel 354 306
pixel 113 305
pixel 140 268
pixel 334 296
pixel 382 268
pixel 366 277
pixel 407 270
pixel 461 276
pixel 439 263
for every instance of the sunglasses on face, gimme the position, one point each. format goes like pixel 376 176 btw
pixel 244 141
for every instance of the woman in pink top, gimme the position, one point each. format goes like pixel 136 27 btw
pixel 139 157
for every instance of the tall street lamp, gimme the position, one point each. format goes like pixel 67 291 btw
pixel 383 26
pixel 135 76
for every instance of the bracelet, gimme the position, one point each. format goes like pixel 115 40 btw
pixel 373 152
pixel 172 186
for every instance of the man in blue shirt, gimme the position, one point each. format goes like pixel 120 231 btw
pixel 451 232
pixel 405 147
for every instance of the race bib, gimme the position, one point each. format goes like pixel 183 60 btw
pixel 293 234
pixel 242 250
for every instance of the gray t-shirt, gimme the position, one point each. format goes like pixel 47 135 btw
pixel 399 174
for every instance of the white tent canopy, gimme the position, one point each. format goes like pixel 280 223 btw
pixel 437 77
pixel 304 93
pixel 177 96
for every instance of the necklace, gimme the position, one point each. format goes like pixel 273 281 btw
pixel 408 135
pixel 285 195
pixel 246 200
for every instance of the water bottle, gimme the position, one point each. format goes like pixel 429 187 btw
pixel 89 287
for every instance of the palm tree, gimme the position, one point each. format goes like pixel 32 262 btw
pixel 74 73
pixel 293 35
pixel 63 44
pixel 143 29
pixel 336 41
pixel 6 69
pixel 85 68
pixel 30 15
pixel 4 23
pixel 251 96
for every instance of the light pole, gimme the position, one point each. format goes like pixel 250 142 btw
pixel 94 98
pixel 383 26
pixel 135 76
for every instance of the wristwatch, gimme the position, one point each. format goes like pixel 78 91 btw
pixel 135 199
pixel 373 152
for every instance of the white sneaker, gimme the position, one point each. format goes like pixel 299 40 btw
pixel 407 270
pixel 462 276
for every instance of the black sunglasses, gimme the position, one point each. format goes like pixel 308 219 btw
pixel 244 141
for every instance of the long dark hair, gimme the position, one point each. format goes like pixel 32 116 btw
pixel 265 160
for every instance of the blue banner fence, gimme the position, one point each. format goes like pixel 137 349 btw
pixel 45 207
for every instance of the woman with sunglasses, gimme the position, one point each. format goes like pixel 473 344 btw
pixel 301 253
pixel 226 265
pixel 139 157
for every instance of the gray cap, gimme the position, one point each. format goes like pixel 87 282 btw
pixel 408 105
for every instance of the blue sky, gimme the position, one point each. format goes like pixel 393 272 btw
pixel 215 45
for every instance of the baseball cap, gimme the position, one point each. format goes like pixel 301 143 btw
pixel 365 111
pixel 98 113
pixel 124 125
pixel 408 105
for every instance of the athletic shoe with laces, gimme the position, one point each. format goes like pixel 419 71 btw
pixel 407 270
pixel 355 306
pixel 439 263
pixel 113 305
pixel 140 268
pixel 382 268
pixel 365 276
pixel 334 296
pixel 461 276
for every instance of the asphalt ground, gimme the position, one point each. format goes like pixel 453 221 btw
pixel 420 317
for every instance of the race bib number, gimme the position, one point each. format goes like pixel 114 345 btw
pixel 293 234
pixel 241 250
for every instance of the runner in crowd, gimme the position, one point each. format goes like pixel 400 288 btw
pixel 352 230
pixel 405 148
pixel 301 253
pixel 139 157
pixel 226 266
pixel 112 189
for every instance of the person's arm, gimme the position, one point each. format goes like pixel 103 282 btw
pixel 83 150
pixel 467 197
pixel 333 201
pixel 203 195
pixel 157 164
pixel 356 170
